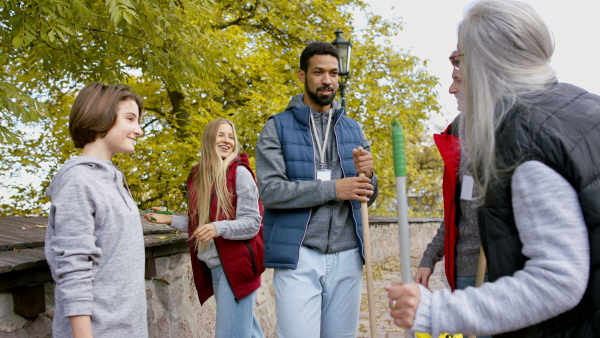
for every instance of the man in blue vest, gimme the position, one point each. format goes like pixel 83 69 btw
pixel 308 159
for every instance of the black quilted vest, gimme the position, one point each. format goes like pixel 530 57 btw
pixel 563 132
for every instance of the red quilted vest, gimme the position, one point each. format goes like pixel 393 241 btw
pixel 242 260
pixel 449 147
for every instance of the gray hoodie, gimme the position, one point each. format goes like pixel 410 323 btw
pixel 95 249
pixel 330 228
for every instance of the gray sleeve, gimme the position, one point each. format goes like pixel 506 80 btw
pixel 435 250
pixel 276 191
pixel 180 223
pixel 555 240
pixel 247 216
pixel 72 243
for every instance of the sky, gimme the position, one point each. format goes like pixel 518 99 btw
pixel 430 33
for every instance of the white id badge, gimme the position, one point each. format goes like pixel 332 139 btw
pixel 467 188
pixel 324 174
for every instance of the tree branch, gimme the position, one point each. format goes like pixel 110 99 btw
pixel 149 123
pixel 119 34
pixel 251 13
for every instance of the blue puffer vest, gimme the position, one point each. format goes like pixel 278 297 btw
pixel 284 229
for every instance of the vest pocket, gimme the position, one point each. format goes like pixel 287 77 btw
pixel 252 257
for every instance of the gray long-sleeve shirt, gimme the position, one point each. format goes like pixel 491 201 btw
pixel 245 225
pixel 330 228
pixel 95 249
pixel 555 238
pixel 466 257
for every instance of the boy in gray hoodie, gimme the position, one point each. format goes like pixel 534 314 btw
pixel 94 241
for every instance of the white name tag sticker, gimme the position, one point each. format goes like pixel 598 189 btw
pixel 467 188
pixel 324 174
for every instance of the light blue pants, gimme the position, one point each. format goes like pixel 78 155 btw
pixel 321 298
pixel 464 282
pixel 234 319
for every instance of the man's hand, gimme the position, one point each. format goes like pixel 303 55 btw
pixel 422 276
pixel 363 161
pixel 350 188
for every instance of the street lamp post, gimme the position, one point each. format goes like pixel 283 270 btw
pixel 345 48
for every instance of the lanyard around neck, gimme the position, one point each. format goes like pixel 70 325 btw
pixel 324 148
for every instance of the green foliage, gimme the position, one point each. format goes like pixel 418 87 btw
pixel 388 85
pixel 193 61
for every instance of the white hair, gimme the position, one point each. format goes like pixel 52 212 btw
pixel 507 49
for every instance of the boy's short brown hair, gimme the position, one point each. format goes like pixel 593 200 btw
pixel 95 111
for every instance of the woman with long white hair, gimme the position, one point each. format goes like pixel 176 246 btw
pixel 534 149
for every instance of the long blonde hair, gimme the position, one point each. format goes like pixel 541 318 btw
pixel 507 49
pixel 211 176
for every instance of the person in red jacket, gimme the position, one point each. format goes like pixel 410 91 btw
pixel 458 238
pixel 225 221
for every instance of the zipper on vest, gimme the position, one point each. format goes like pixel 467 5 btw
pixel 312 144
pixel 303 235
pixel 352 210
pixel 254 269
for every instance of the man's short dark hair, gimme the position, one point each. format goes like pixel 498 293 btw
pixel 317 48
pixel 95 111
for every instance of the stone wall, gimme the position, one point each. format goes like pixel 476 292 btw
pixel 174 309
pixel 14 326
pixel 385 239
pixel 173 306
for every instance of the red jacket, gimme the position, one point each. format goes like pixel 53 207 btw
pixel 449 146
pixel 242 261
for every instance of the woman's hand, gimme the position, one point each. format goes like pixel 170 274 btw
pixel 404 300
pixel 422 276
pixel 205 233
pixel 158 218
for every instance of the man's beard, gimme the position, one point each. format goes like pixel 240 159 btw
pixel 320 100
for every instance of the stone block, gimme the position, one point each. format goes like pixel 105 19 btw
pixel 39 327
pixel 29 300
pixel 12 323
pixel 6 304
pixel 173 306
pixel 10 335
pixel 49 291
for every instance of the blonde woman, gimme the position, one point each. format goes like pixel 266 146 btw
pixel 533 149
pixel 224 219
